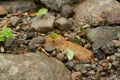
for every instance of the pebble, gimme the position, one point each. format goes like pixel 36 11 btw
pixel 84 72
pixel 79 67
pixel 14 20
pixel 60 56
pixel 70 65
pixel 49 48
pixel 117 55
pixel 76 76
pixel 112 57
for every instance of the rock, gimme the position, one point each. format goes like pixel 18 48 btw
pixel 32 66
pixel 2 11
pixel 70 65
pixel 117 55
pixel 67 11
pixel 63 24
pixel 92 12
pixel 36 42
pixel 30 35
pixel 112 57
pixel 14 20
pixel 80 53
pixel 79 67
pixel 55 5
pixel 117 43
pixel 76 76
pixel 49 48
pixel 102 37
pixel 43 23
pixel 60 56
pixel 18 5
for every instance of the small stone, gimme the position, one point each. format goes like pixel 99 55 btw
pixel 91 72
pixel 67 11
pixel 49 48
pixel 117 55
pixel 60 56
pixel 36 42
pixel 105 65
pixel 79 67
pixel 70 65
pixel 115 64
pixel 84 72
pixel 2 49
pixel 112 57
pixel 63 24
pixel 76 76
pixel 14 20
pixel 87 65
pixel 43 23
pixel 30 35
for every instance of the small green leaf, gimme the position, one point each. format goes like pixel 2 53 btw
pixel 42 11
pixel 38 52
pixel 70 53
pixel 53 36
pixel 5 33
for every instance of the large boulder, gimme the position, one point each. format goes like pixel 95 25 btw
pixel 18 5
pixel 97 12
pixel 55 4
pixel 102 38
pixel 32 66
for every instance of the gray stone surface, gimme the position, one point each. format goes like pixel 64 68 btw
pixel 55 4
pixel 31 66
pixel 91 11
pixel 102 36
pixel 43 23
pixel 13 6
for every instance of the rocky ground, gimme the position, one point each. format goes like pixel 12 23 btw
pixel 91 28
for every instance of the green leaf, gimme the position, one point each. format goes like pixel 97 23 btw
pixel 53 36
pixel 42 11
pixel 70 53
pixel 5 33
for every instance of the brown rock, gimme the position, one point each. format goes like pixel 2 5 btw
pixel 81 54
pixel 76 76
pixel 2 11
pixel 90 11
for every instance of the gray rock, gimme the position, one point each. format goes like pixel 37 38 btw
pixel 112 58
pixel 49 48
pixel 2 11
pixel 117 55
pixel 67 11
pixel 43 23
pixel 63 24
pixel 94 12
pixel 32 66
pixel 76 76
pixel 102 37
pixel 14 20
pixel 36 42
pixel 55 5
pixel 13 6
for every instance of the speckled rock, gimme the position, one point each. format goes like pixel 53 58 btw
pixel 55 5
pixel 18 5
pixel 92 12
pixel 102 37
pixel 43 23
pixel 31 66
